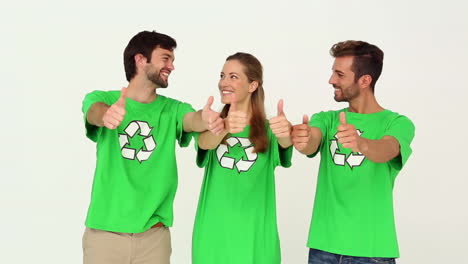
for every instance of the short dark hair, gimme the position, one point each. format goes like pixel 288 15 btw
pixel 367 58
pixel 144 43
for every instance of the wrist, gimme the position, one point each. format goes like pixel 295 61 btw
pixel 285 142
pixel 363 145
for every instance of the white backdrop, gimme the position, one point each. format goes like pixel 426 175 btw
pixel 53 53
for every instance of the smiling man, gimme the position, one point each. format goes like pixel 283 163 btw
pixel 363 148
pixel 135 179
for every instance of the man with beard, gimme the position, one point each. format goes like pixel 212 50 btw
pixel 363 147
pixel 135 180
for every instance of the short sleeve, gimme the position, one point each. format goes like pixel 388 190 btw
pixel 281 156
pixel 403 130
pixel 183 137
pixel 93 132
pixel 203 155
pixel 285 156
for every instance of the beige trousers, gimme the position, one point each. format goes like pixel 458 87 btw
pixel 150 247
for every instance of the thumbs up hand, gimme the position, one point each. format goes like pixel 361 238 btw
pixel 212 120
pixel 236 120
pixel 280 126
pixel 301 134
pixel 116 112
pixel 347 134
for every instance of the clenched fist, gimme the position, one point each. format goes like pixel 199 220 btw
pixel 347 134
pixel 213 121
pixel 116 112
pixel 280 126
pixel 301 134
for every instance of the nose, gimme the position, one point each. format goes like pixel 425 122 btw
pixel 331 80
pixel 222 83
pixel 170 66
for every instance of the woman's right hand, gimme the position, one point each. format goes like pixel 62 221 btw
pixel 236 121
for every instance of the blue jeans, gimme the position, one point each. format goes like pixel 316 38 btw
pixel 322 257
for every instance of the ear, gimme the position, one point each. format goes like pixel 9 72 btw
pixel 253 86
pixel 140 59
pixel 365 81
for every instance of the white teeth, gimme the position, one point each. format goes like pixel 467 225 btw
pixel 165 74
pixel 227 92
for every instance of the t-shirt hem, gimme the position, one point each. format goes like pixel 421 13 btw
pixel 120 229
pixel 351 253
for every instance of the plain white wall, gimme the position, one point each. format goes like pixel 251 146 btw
pixel 54 52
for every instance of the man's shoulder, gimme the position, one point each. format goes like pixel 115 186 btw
pixel 328 113
pixel 169 100
pixel 395 115
pixel 397 120
pixel 103 94
pixel 172 102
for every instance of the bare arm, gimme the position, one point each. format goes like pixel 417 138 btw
pixel 285 142
pixel 281 127
pixel 381 150
pixel 96 113
pixel 306 139
pixel 203 120
pixel 208 140
pixel 313 142
pixel 101 114
pixel 193 122
pixel 235 122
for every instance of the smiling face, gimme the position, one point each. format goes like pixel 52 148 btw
pixel 343 80
pixel 160 67
pixel 233 80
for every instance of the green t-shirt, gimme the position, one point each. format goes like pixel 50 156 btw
pixel 236 215
pixel 136 173
pixel 353 208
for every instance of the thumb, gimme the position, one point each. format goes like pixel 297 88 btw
pixel 123 96
pixel 233 102
pixel 342 118
pixel 280 107
pixel 305 120
pixel 209 103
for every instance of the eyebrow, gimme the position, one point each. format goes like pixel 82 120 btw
pixel 230 73
pixel 338 71
pixel 167 54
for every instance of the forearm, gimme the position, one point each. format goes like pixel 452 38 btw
pixel 208 140
pixel 312 146
pixel 193 122
pixel 381 150
pixel 313 143
pixel 285 142
pixel 95 114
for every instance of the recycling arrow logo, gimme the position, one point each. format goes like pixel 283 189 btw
pixel 149 144
pixel 353 159
pixel 228 162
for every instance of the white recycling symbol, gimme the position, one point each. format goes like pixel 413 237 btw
pixel 353 159
pixel 230 163
pixel 148 141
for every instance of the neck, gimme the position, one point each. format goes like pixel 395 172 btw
pixel 245 107
pixel 141 90
pixel 365 104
